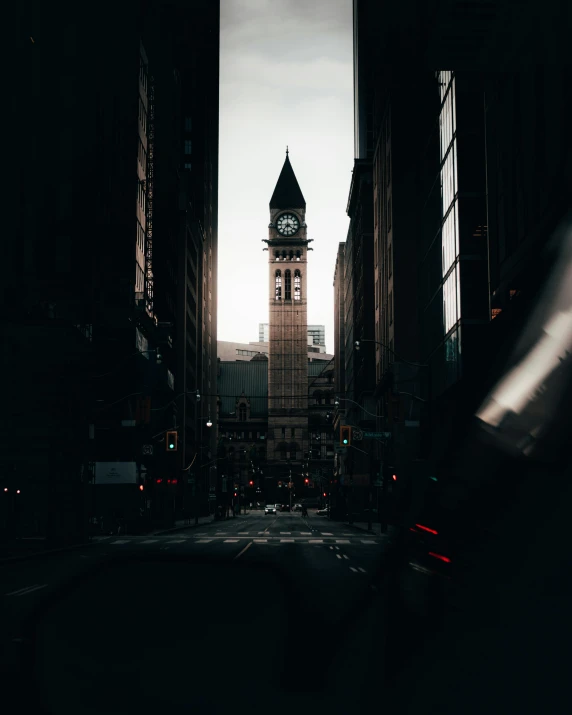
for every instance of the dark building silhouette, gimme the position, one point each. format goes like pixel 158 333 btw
pixel 458 109
pixel 108 298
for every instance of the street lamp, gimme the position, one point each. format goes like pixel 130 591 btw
pixel 209 422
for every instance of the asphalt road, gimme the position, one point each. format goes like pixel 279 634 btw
pixel 263 612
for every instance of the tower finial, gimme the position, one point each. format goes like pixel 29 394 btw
pixel 286 149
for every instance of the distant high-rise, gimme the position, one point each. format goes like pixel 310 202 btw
pixel 316 335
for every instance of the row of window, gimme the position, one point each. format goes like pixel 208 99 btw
pixel 141 197
pixel 143 73
pixel 249 352
pixel 142 115
pixel 288 285
pixel 288 255
pixel 244 435
pixel 142 155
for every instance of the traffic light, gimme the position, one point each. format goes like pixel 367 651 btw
pixel 306 481
pixel 345 436
pixel 251 483
pixel 171 441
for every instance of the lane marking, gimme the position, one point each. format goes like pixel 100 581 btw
pixel 353 569
pixel 26 590
pixel 150 541
pixel 368 541
pixel 305 533
pixel 202 533
pixel 243 550
pixel 285 532
pixel 231 541
pixel 121 541
pixel 332 548
pixel 346 556
pixel 243 533
pixel 338 556
pixel 260 541
pixel 342 541
pixel 286 541
pixel 177 541
pixel 362 570
pixel 326 533
pixel 204 541
pixel 315 541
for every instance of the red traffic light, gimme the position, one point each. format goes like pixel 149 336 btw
pixel 251 483
pixel 141 487
pixel 235 494
pixel 395 477
pixel 325 494
pixel 306 481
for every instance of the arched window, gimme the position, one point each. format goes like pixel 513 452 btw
pixel 297 285
pixel 242 413
pixel 287 285
pixel 283 255
pixel 297 255
pixel 278 286
pixel 276 255
pixel 291 255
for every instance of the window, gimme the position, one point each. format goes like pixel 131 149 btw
pixel 390 309
pixel 287 285
pixel 278 286
pixel 293 432
pixel 188 146
pixel 389 213
pixel 283 431
pixel 188 124
pixel 297 282
pixel 389 263
pixel 188 167
pixel 242 413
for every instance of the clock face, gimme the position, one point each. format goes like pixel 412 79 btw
pixel 287 224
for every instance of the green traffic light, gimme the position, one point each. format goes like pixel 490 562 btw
pixel 345 441
pixel 171 445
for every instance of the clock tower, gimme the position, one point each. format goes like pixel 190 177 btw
pixel 288 340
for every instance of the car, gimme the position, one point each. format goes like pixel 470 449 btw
pixel 323 512
pixel 270 509
pixel 297 507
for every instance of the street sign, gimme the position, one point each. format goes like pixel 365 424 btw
pixel 357 434
pixel 212 497
pixel 147 449
pixel 191 480
pixel 377 483
pixel 377 435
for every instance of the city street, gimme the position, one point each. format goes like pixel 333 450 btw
pixel 259 604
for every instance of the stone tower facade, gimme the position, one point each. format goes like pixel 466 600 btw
pixel 288 344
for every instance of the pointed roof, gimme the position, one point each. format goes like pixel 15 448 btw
pixel 287 194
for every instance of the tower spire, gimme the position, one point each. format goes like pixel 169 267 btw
pixel 287 194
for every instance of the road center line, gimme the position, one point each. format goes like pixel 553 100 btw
pixel 243 550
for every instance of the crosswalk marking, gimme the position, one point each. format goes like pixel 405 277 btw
pixel 368 541
pixel 305 533
pixel 231 541
pixel 285 532
pixel 353 569
pixel 362 570
pixel 286 541
pixel 342 541
pixel 243 533
pixel 150 541
pixel 121 541
pixel 176 541
pixel 204 541
pixel 326 533
pixel 260 541
pixel 316 541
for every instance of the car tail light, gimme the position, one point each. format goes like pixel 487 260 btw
pixel 446 559
pixel 426 528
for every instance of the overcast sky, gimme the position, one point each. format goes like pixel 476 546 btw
pixel 286 79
